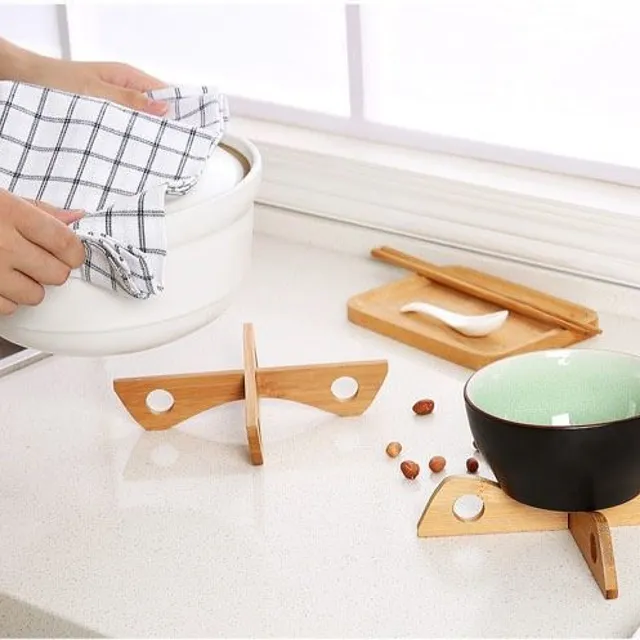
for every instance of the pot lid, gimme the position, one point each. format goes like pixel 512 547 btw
pixel 222 172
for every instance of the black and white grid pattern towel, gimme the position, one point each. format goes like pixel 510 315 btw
pixel 116 164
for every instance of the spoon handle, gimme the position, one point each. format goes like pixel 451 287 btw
pixel 448 317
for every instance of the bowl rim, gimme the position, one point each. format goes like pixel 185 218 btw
pixel 533 425
pixel 248 154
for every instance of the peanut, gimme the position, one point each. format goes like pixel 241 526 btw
pixel 410 469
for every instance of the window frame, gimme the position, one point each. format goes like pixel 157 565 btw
pixel 357 127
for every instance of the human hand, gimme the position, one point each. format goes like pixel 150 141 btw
pixel 112 81
pixel 119 83
pixel 36 248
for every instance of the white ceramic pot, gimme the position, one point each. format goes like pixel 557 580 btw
pixel 209 234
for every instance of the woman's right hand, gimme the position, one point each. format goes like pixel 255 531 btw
pixel 37 248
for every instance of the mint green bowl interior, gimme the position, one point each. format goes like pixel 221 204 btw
pixel 559 388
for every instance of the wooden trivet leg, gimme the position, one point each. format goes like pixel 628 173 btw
pixel 500 513
pixel 192 394
pixel 312 385
pixel 251 398
pixel 591 532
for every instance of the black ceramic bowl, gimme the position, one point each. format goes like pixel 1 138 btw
pixel 561 428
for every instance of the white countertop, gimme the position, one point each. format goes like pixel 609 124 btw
pixel 175 534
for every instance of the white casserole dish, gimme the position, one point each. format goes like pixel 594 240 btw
pixel 209 242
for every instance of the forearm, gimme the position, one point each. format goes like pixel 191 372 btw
pixel 17 64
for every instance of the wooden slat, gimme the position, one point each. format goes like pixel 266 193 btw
pixel 501 513
pixel 593 537
pixel 251 397
pixel 311 385
pixel 192 393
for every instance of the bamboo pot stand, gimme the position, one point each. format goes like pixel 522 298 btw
pixel 192 394
pixel 501 514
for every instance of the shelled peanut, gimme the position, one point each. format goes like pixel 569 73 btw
pixel 424 407
pixel 410 469
pixel 393 449
pixel 437 464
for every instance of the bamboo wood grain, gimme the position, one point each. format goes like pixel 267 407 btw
pixel 592 535
pixel 432 272
pixel 251 398
pixel 311 385
pixel 501 513
pixel 557 307
pixel 198 392
pixel 623 515
pixel 192 394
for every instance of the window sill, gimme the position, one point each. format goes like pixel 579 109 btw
pixel 574 225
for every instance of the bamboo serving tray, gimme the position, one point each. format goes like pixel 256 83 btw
pixel 378 311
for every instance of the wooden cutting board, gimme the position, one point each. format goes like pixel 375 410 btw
pixel 378 311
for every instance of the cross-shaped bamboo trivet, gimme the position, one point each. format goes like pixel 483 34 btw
pixel 502 514
pixel 308 384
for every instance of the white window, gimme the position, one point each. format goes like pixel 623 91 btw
pixel 288 54
pixel 554 77
pixel 550 83
pixel 36 27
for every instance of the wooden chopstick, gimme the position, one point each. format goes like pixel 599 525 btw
pixel 432 272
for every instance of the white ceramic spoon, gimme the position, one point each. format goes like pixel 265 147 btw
pixel 473 326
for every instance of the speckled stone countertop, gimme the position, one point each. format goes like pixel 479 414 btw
pixel 116 531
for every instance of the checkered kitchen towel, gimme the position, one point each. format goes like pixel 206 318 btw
pixel 116 164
